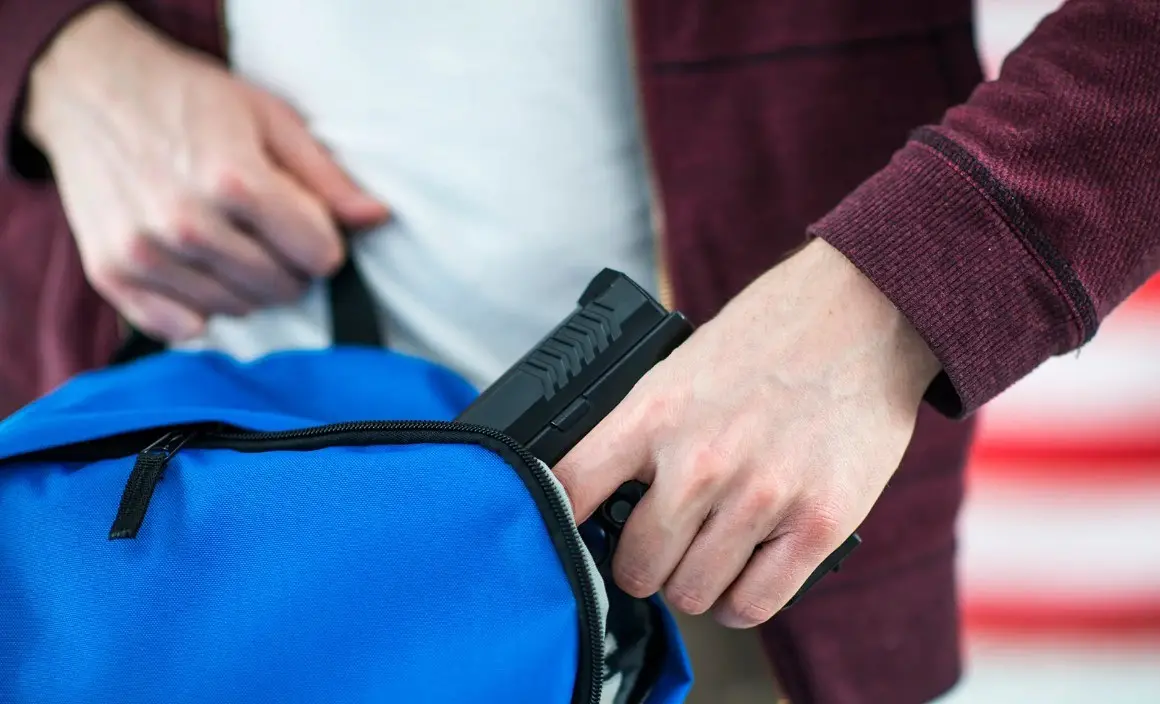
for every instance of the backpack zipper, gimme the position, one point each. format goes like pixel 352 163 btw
pixel 148 469
pixel 150 463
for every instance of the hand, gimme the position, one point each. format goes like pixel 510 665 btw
pixel 765 439
pixel 190 193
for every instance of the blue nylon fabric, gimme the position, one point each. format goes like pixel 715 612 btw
pixel 330 576
pixel 282 391
pixel 676 673
pixel 420 573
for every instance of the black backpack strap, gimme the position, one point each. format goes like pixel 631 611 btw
pixel 353 318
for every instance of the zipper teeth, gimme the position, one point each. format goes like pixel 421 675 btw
pixel 560 513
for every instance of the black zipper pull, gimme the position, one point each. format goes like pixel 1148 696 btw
pixel 147 471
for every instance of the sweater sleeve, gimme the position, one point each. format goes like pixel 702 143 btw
pixel 1008 231
pixel 26 28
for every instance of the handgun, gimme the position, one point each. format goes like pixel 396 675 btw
pixel 553 396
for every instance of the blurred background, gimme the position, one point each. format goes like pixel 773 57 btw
pixel 1061 535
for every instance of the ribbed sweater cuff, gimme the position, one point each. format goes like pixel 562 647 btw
pixel 937 234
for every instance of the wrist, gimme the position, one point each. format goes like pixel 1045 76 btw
pixel 913 353
pixel 83 63
pixel 905 349
pixel 862 318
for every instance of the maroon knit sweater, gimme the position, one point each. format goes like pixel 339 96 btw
pixel 1005 220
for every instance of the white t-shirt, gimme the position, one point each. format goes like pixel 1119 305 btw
pixel 505 137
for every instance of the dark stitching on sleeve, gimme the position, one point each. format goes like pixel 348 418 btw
pixel 1016 214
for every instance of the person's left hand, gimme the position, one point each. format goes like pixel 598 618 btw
pixel 765 439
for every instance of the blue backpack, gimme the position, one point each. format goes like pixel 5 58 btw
pixel 311 526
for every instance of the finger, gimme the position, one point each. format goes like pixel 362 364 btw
pixel 204 238
pixel 721 551
pixel 157 315
pixel 617 450
pixel 290 222
pixel 158 270
pixel 773 575
pixel 296 150
pixel 688 484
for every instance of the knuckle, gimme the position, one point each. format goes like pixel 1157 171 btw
pixel 140 253
pixel 634 579
pixel 686 600
pixel 653 409
pixel 650 407
pixel 182 229
pixel 229 184
pixel 708 467
pixel 745 612
pixel 820 523
pixel 762 500
pixel 190 239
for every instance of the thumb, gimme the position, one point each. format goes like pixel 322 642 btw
pixel 293 147
pixel 616 451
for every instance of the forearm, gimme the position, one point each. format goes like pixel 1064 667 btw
pixel 1007 232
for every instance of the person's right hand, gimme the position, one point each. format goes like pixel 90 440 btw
pixel 190 192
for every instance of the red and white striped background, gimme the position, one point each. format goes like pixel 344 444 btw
pixel 1061 533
